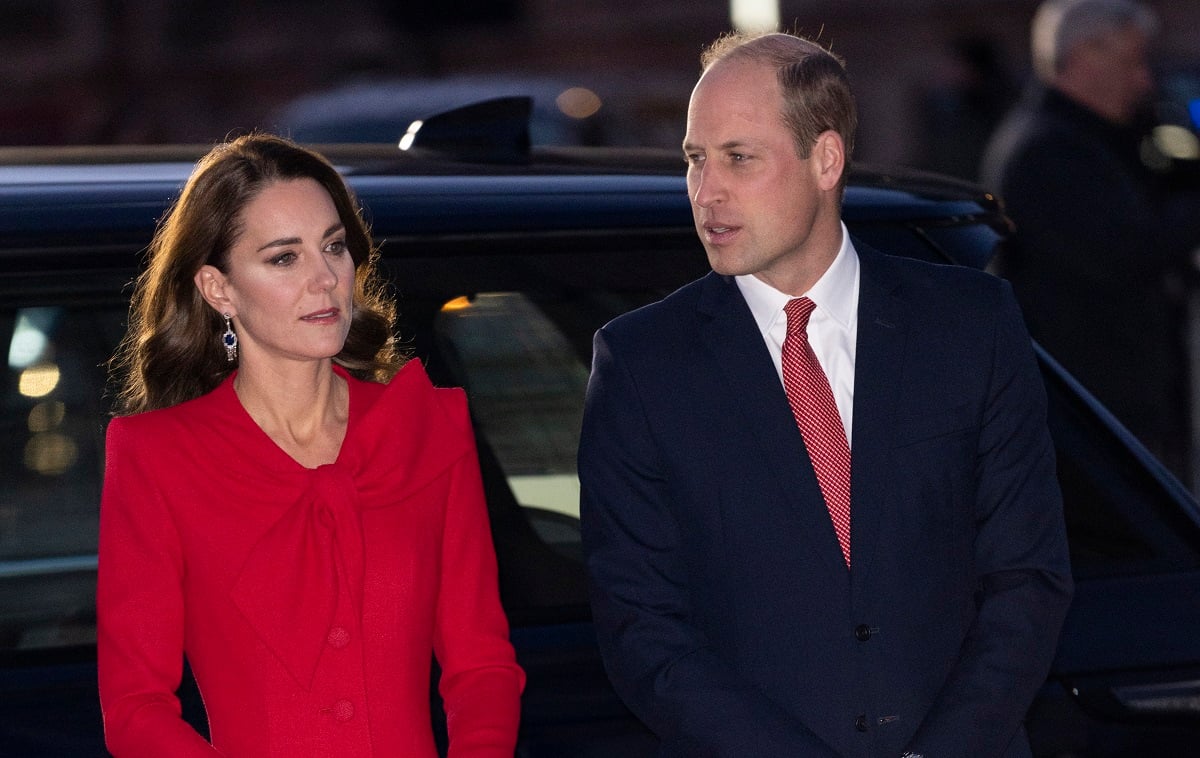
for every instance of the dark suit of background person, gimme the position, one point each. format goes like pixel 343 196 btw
pixel 727 618
pixel 1094 262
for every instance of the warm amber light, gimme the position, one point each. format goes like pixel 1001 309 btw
pixel 46 416
pixel 38 381
pixel 459 303
pixel 578 102
pixel 50 453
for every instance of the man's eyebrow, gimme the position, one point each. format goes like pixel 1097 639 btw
pixel 724 146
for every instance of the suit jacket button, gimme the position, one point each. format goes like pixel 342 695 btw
pixel 338 637
pixel 860 723
pixel 862 632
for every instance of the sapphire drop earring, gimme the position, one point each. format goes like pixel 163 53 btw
pixel 229 340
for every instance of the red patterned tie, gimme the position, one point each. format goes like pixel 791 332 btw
pixel 817 416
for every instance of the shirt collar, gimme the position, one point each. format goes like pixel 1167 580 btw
pixel 835 293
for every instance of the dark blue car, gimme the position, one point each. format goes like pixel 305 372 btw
pixel 503 269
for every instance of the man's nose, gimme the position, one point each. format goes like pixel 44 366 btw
pixel 707 186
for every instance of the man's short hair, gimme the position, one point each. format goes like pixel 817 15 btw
pixel 812 80
pixel 1059 26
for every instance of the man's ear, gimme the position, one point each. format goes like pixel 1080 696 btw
pixel 830 154
pixel 212 285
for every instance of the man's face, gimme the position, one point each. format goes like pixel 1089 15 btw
pixel 758 206
pixel 1118 66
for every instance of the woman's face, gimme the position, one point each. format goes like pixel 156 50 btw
pixel 289 283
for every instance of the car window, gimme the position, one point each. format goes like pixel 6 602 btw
pixel 526 385
pixel 52 436
pixel 523 358
pixel 1121 519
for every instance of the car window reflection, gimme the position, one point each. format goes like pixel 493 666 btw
pixel 526 386
pixel 51 463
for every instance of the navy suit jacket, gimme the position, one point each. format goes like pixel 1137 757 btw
pixel 727 619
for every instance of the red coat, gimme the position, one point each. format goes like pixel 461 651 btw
pixel 307 601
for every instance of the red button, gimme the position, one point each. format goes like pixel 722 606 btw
pixel 338 637
pixel 343 710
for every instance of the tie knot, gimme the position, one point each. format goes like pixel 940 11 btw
pixel 798 311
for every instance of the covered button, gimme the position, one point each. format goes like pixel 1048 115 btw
pixel 338 637
pixel 342 710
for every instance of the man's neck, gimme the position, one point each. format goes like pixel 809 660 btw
pixel 1092 100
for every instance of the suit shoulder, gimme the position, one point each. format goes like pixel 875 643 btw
pixel 663 314
pixel 952 275
pixel 944 285
pixel 913 270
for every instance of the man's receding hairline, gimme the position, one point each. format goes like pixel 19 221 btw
pixel 772 48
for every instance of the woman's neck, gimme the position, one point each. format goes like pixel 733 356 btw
pixel 303 411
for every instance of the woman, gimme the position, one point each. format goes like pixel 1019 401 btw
pixel 286 502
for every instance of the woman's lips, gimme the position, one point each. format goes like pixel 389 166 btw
pixel 329 314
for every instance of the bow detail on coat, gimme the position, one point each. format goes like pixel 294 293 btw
pixel 291 583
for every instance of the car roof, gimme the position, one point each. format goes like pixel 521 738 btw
pixel 472 171
pixel 62 175
pixel 374 108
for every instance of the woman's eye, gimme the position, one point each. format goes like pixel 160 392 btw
pixel 337 246
pixel 283 259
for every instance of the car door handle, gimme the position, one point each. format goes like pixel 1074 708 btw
pixel 1162 699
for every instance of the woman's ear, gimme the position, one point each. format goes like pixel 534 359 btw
pixel 212 285
pixel 830 154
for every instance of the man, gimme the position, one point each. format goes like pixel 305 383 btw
pixel 741 615
pixel 1092 261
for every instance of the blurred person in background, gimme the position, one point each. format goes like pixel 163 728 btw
pixel 1096 264
pixel 288 503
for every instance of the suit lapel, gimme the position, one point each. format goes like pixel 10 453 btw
pixel 878 359
pixel 731 334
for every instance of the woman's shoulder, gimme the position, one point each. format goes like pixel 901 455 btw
pixel 411 384
pixel 188 418
pixel 410 404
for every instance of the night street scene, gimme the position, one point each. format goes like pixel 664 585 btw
pixel 274 235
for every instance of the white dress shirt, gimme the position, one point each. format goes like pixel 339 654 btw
pixel 832 328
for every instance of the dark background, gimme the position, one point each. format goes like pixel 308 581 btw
pixel 931 75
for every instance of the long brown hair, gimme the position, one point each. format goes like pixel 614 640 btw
pixel 172 350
